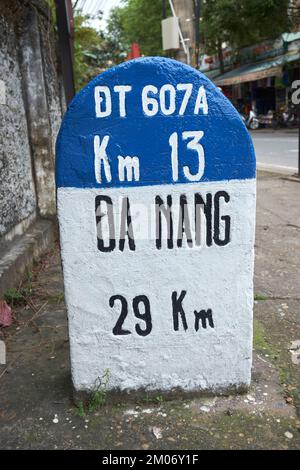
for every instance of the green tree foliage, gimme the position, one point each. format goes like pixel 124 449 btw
pixel 237 22
pixel 117 43
pixel 89 51
pixel 243 22
pixel 138 21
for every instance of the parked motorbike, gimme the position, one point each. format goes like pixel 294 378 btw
pixel 250 121
pixel 287 117
pixel 271 119
pixel 290 117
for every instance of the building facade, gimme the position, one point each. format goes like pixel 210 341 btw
pixel 259 76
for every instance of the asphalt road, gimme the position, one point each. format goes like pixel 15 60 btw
pixel 278 149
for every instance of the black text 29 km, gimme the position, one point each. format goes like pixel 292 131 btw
pixel 142 311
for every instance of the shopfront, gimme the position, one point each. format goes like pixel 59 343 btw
pixel 265 83
pixel 264 86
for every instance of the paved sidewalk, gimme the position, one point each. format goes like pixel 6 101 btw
pixel 36 411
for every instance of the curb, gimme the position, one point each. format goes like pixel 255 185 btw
pixel 284 170
pixel 19 254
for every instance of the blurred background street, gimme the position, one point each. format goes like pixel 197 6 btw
pixel 276 149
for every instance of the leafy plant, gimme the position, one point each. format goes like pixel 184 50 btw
pixel 260 297
pixel 98 398
pixel 15 296
pixel 157 399
pixel 80 411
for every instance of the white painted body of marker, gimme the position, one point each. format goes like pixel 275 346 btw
pixel 156 209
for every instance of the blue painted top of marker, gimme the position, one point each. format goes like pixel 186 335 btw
pixel 169 119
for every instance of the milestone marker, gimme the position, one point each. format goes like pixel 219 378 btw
pixel 156 194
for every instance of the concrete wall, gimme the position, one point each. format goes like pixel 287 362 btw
pixel 30 114
pixel 17 191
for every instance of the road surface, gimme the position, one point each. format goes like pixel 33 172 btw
pixel 278 149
